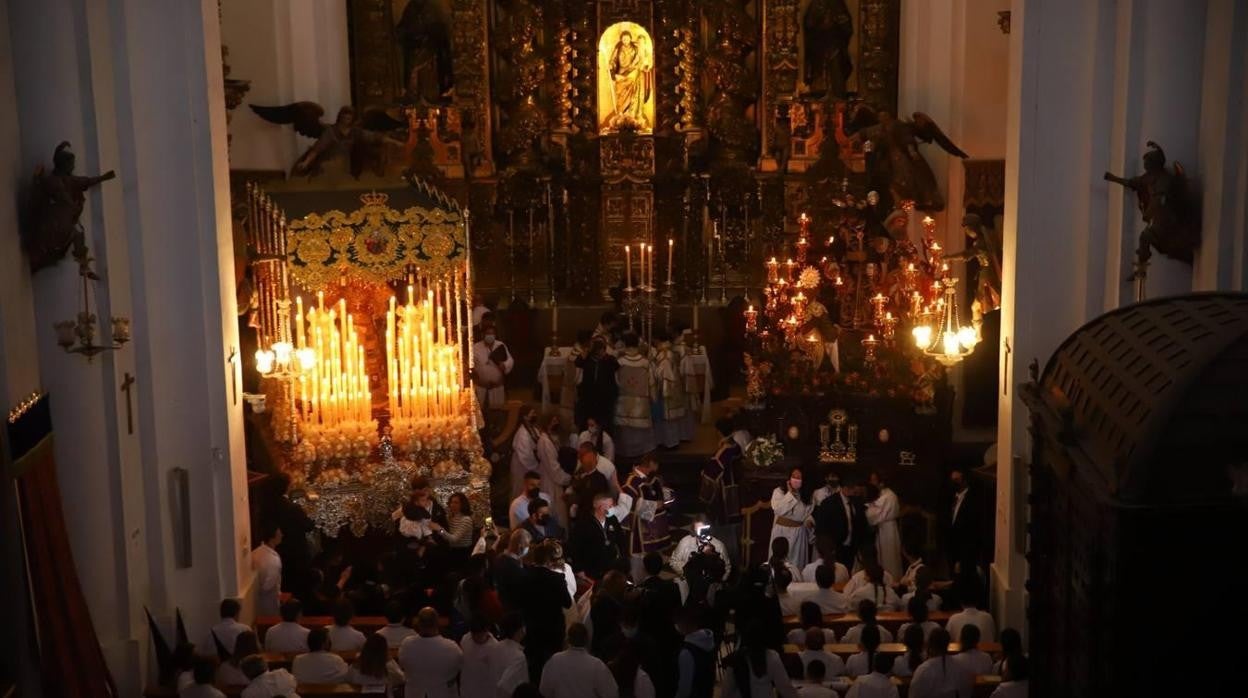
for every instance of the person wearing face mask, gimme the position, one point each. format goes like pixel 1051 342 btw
pixel 491 363
pixel 539 524
pixel 602 441
pixel 519 510
pixel 553 477
pixel 791 507
pixel 545 598
pixel 524 452
pixel 646 523
pixel 595 542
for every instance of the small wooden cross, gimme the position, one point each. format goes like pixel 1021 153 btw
pixel 126 385
pixel 229 360
pixel 1005 383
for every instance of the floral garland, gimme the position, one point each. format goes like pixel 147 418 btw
pixel 764 452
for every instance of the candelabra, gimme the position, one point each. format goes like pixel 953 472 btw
pixel 82 330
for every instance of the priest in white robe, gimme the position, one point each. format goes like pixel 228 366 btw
pixel 524 450
pixel 670 390
pixel 492 361
pixel 682 348
pixel 883 514
pixel 633 416
pixel 791 508
pixel 482 662
pixel 430 662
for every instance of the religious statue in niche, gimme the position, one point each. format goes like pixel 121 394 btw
pixel 827 27
pixel 53 225
pixel 892 147
pixel 1170 212
pixel 361 142
pixel 626 79
pixel 424 36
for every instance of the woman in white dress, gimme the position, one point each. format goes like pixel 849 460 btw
pixel 791 506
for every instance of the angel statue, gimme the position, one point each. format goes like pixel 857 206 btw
pixel 362 142
pixel 894 144
pixel 55 206
pixel 985 248
pixel 819 336
pixel 1170 212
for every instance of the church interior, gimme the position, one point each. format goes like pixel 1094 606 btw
pixel 563 348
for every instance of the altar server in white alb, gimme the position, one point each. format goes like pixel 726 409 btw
pixel 430 662
pixel 632 408
pixel 268 566
pixel 882 514
pixel 524 450
pixel 491 362
pixel 670 388
pixel 791 508
pixel 683 348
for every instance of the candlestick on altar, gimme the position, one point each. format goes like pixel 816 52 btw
pixel 628 269
pixel 671 250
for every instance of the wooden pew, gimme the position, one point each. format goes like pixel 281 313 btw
pixel 892 620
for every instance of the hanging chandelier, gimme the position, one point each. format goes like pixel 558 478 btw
pixel 78 336
pixel 939 332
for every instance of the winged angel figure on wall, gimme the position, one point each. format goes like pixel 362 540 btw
pixel 893 150
pixel 361 142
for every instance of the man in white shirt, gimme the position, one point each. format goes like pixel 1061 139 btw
pixel 265 683
pixel 268 567
pixel 288 635
pixel 829 599
pixel 319 665
pixel 492 361
pixel 227 631
pixel 343 637
pixel 482 670
pixel 430 661
pixel 575 673
pixel 513 666
pixel 825 546
pixel 814 687
pixel 518 512
pixel 969 591
pixel 396 630
pixel 204 672
pixel 833 665
pixel 877 684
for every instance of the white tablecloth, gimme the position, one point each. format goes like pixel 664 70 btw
pixel 692 365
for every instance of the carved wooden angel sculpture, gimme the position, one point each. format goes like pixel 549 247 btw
pixel 1168 207
pixel 986 249
pixel 361 142
pixel 52 225
pixel 895 147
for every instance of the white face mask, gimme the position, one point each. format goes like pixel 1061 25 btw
pixel 795 484
pixel 488 339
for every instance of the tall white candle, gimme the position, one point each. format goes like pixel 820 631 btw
pixel 671 247
pixel 554 319
pixel 650 263
pixel 628 268
pixel 695 317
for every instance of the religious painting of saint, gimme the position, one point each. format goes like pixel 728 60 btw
pixel 625 79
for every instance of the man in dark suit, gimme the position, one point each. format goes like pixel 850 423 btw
pixel 842 519
pixel 963 524
pixel 595 542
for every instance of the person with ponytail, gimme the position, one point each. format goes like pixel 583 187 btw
pixel 939 676
pixel 876 589
pixel 1014 675
pixel 923 587
pixel 976 661
pixel 877 684
pixel 866 614
pixel 861 663
pixel 779 560
pixel 754 671
pixel 913 658
pixel 811 617
pixel 918 616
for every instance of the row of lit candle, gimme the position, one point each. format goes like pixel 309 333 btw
pixel 424 355
pixel 645 264
pixel 334 386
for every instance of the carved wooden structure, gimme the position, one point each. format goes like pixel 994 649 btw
pixel 1139 525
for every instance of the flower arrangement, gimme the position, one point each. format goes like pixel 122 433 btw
pixel 764 452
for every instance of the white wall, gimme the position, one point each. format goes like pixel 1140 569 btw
pixel 290 50
pixel 1090 82
pixel 136 86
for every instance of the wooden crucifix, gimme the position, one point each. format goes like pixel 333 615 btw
pixel 127 385
pixel 231 360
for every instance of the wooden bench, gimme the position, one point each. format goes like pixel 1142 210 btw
pixel 365 624
pixel 304 689
pixel 892 620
